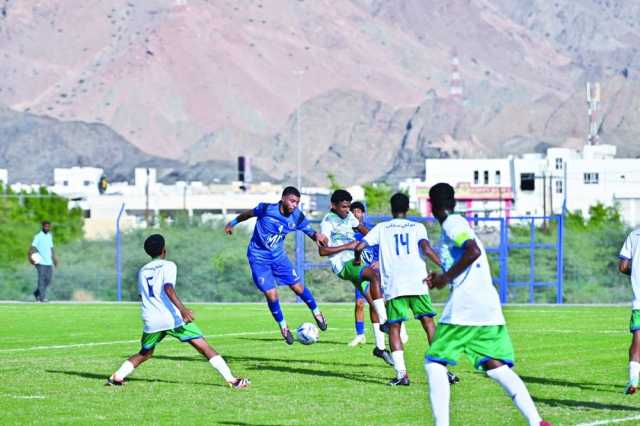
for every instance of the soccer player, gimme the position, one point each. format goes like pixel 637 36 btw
pixel 268 259
pixel 472 320
pixel 164 314
pixel 403 274
pixel 339 226
pixel 630 265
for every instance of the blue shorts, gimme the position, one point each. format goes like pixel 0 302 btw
pixel 359 295
pixel 266 272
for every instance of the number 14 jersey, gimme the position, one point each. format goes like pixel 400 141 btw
pixel 158 312
pixel 402 269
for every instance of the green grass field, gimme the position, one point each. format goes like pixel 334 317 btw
pixel 54 360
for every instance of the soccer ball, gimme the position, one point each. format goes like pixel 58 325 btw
pixel 307 333
pixel 36 258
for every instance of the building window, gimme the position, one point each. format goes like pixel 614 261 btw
pixel 65 183
pixel 476 177
pixel 558 187
pixel 527 182
pixel 486 177
pixel 86 183
pixel 558 163
pixel 497 177
pixel 591 178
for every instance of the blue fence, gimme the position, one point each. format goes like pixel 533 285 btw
pixel 499 250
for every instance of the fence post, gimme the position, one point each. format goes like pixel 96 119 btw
pixel 532 260
pixel 560 260
pixel 119 254
pixel 504 264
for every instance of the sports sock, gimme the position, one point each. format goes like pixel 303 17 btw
pixel 378 304
pixel 219 364
pixel 634 371
pixel 307 298
pixel 398 364
pixel 439 392
pixel 379 335
pixel 516 389
pixel 274 307
pixel 359 327
pixel 125 369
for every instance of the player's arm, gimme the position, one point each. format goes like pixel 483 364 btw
pixel 360 246
pixel 304 226
pixel 624 266
pixel 54 257
pixel 187 314
pixel 247 214
pixel 471 253
pixel 32 250
pixel 328 251
pixel 428 251
pixel 361 228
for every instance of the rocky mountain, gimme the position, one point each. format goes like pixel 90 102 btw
pixel 362 86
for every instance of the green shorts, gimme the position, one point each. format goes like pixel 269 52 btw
pixel 634 322
pixel 479 343
pixel 420 306
pixel 184 333
pixel 353 273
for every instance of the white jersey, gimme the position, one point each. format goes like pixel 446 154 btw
pixel 158 312
pixel 339 231
pixel 402 269
pixel 473 299
pixel 631 251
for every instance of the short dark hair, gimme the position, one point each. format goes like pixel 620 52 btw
pixel 154 244
pixel 442 196
pixel 45 222
pixel 399 203
pixel 291 190
pixel 357 205
pixel 340 195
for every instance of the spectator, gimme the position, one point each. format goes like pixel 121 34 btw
pixel 42 256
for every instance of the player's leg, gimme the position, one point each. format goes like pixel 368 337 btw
pixel 359 339
pixel 634 354
pixel 377 301
pixel 380 350
pixel 306 296
pixel 398 311
pixel 263 279
pixel 148 342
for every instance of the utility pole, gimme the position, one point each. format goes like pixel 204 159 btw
pixel 544 200
pixel 146 197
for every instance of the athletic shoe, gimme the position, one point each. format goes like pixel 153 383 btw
pixel 403 381
pixel 111 381
pixel 240 383
pixel 384 327
pixel 544 423
pixel 322 324
pixel 384 354
pixel 453 379
pixel 286 334
pixel 360 339
pixel 630 388
pixel 36 294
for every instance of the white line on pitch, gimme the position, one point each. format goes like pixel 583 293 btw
pixel 8 395
pixel 611 421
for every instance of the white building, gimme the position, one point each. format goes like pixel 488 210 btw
pixel 4 177
pixel 538 185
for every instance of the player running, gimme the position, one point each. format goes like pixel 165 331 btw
pixel 268 259
pixel 339 226
pixel 403 274
pixel 472 320
pixel 630 265
pixel 164 314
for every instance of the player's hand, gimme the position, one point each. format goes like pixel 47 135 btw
pixel 228 229
pixel 435 280
pixel 187 315
pixel 322 240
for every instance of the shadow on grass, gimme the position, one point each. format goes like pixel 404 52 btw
pixel 279 339
pixel 600 387
pixel 583 404
pixel 103 378
pixel 375 362
pixel 243 423
pixel 319 373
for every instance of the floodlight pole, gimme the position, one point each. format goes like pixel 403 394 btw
pixel 119 254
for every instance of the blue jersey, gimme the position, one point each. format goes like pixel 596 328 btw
pixel 371 253
pixel 267 242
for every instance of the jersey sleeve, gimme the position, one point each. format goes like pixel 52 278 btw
pixel 421 233
pixel 304 226
pixel 353 221
pixel 627 248
pixel 458 230
pixel 170 272
pixel 373 237
pixel 260 210
pixel 326 227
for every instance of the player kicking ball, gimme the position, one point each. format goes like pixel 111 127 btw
pixel 629 261
pixel 472 320
pixel 269 261
pixel 164 314
pixel 403 274
pixel 339 226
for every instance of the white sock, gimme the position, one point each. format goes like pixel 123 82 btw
pixel 634 371
pixel 378 304
pixel 439 392
pixel 125 369
pixel 398 364
pixel 379 335
pixel 219 364
pixel 516 389
pixel 404 337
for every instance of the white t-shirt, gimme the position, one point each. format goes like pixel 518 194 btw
pixel 473 299
pixel 402 269
pixel 158 312
pixel 631 251
pixel 339 231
